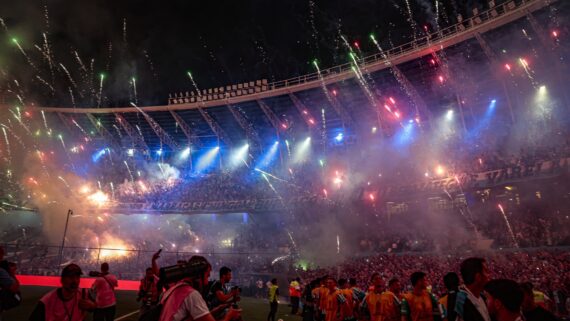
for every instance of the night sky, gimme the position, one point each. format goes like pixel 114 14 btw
pixel 221 42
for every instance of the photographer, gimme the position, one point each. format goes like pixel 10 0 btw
pixel 148 291
pixel 220 292
pixel 183 301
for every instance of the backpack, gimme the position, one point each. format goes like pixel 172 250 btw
pixel 153 314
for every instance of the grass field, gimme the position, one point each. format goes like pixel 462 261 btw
pixel 253 309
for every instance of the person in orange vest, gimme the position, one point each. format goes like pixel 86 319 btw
pixel 349 309
pixel 390 302
pixel 68 302
pixel 334 303
pixel 419 304
pixel 373 301
pixel 319 296
pixel 295 295
pixel 315 294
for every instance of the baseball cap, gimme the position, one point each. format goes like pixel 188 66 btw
pixel 71 270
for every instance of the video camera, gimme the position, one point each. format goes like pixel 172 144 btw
pixel 175 273
pixel 95 274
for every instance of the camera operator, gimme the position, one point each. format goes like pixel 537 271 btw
pixel 183 301
pixel 104 290
pixel 220 292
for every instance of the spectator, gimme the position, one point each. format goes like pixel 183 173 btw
pixel 295 295
pixel 504 300
pixel 531 310
pixel 470 304
pixel 451 282
pixel 273 303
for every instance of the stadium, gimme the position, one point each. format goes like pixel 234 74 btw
pixel 411 156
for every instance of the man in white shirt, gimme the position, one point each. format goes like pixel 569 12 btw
pixel 470 304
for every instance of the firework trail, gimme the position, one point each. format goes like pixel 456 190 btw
pixel 118 131
pixel 30 62
pixel 45 83
pixel 19 119
pixel 71 96
pixel 129 169
pixel 139 130
pixel 3 25
pixel 323 85
pixel 109 57
pixel 46 16
pixel 315 34
pixel 68 75
pixel 99 97
pixel 411 19
pixel 60 137
pixel 48 52
pixel 7 144
pixel 78 126
pixel 125 31
pixel 134 82
pixel 80 62
pixel 150 64
pixel 64 181
pixel 437 15
pixel 112 190
pixel 528 71
pixel 45 121
pixel 509 226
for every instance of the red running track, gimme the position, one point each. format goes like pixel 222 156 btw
pixel 54 281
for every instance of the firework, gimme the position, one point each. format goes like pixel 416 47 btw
pixel 45 121
pixel 134 83
pixel 510 230
pixel 30 62
pixel 129 170
pixel 7 145
pixel 102 77
pixel 98 198
pixel 45 83
pixel 64 181
pixel 73 83
pixel 411 19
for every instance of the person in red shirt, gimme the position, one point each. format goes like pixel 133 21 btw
pixel 104 290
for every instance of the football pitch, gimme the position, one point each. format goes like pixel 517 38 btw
pixel 127 307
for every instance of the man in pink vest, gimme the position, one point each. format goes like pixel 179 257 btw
pixel 183 301
pixel 67 303
pixel 104 290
